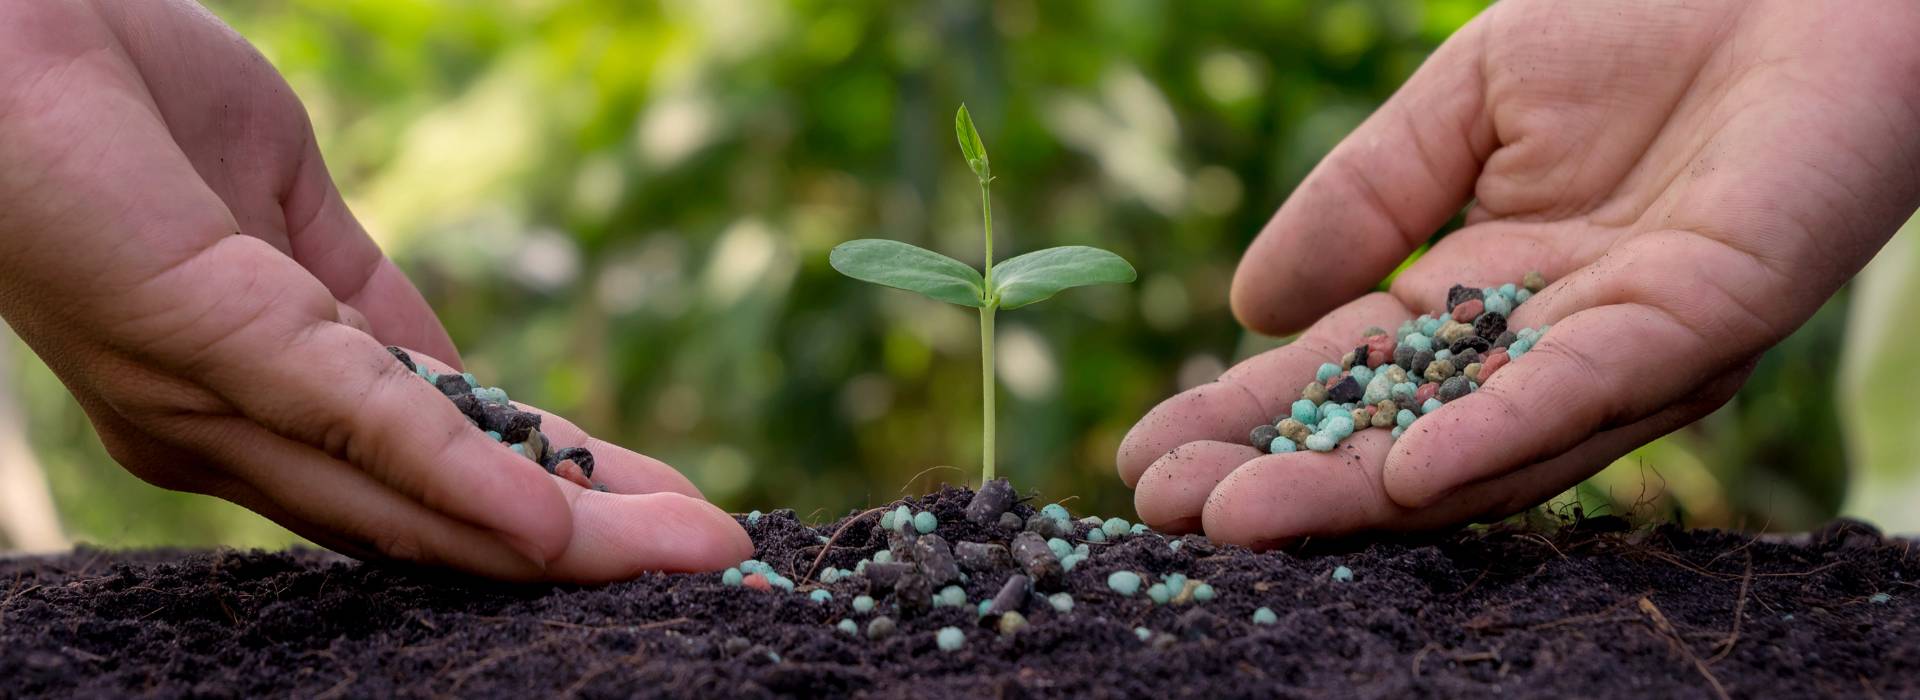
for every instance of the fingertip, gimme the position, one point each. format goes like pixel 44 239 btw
pixel 1254 294
pixel 1275 499
pixel 713 539
pixel 1173 491
pixel 620 536
pixel 518 499
pixel 658 477
pixel 1408 477
pixel 1473 438
pixel 1217 411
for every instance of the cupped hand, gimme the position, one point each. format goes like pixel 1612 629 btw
pixel 172 245
pixel 1695 179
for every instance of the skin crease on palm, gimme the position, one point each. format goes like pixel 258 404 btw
pixel 172 245
pixel 1695 179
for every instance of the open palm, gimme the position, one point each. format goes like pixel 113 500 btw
pixel 1695 180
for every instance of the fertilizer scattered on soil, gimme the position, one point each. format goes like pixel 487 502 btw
pixel 1479 613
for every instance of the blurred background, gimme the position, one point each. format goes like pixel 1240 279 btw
pixel 622 211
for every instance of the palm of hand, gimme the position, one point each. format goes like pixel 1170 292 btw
pixel 177 252
pixel 1696 181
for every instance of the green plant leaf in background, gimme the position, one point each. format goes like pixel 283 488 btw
pixel 910 267
pixel 971 146
pixel 1044 273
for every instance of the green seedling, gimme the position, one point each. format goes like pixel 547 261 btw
pixel 1017 282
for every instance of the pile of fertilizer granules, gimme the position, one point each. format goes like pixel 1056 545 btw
pixel 489 410
pixel 1390 380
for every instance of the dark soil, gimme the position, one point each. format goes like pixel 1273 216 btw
pixel 1590 610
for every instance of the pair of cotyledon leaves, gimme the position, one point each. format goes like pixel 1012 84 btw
pixel 1017 282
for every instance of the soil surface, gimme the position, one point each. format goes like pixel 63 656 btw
pixel 1593 609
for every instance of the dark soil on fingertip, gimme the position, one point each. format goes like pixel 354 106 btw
pixel 1591 610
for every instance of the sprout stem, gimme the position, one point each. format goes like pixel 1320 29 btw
pixel 986 342
pixel 986 389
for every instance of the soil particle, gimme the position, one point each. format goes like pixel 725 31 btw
pixel 1012 596
pixel 1010 521
pixel 1480 613
pixel 1046 527
pixel 1471 343
pixel 883 576
pixel 1263 435
pixel 1347 390
pixel 992 500
pixel 980 556
pixel 935 559
pixel 1038 560
pixel 1490 326
pixel 1461 294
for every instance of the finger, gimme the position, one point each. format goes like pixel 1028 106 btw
pixel 1496 253
pixel 352 318
pixel 1378 195
pixel 1254 391
pixel 1516 491
pixel 1641 328
pixel 327 385
pixel 332 502
pixel 1271 500
pixel 1172 493
pixel 622 470
pixel 1276 500
pixel 329 242
pixel 1597 370
pixel 617 536
pixel 653 518
pixel 249 141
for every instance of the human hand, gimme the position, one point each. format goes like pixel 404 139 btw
pixel 1695 180
pixel 172 245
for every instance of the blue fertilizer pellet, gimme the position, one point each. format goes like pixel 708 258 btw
pixel 1305 412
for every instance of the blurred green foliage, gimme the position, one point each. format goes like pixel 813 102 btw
pixel 622 212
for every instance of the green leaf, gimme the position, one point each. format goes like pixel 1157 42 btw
pixel 971 146
pixel 910 267
pixel 1044 273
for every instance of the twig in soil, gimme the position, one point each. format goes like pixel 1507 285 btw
pixel 1739 610
pixel 1488 655
pixel 1595 616
pixel 923 472
pixel 339 689
pixel 460 677
pixel 828 546
pixel 1545 541
pixel 1421 655
pixel 1736 550
pixel 1475 584
pixel 1872 692
pixel 1684 564
pixel 599 669
pixel 591 628
pixel 12 593
pixel 1665 628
